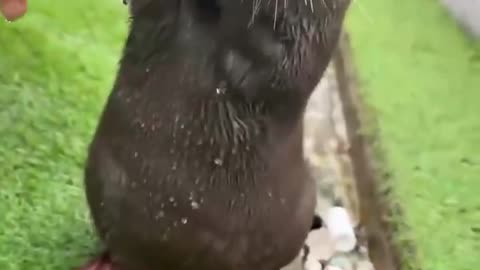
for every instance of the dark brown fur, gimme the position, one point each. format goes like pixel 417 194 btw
pixel 197 161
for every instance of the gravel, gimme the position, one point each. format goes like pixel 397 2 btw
pixel 326 147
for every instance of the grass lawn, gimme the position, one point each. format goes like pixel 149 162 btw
pixel 421 75
pixel 56 68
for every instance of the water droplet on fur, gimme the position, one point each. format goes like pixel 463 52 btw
pixel 269 194
pixel 165 234
pixel 218 161
pixel 195 205
pixel 171 199
pixel 147 69
pixel 184 220
pixel 221 90
pixel 135 155
pixel 159 215
pixel 174 166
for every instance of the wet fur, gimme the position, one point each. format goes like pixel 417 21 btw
pixel 197 161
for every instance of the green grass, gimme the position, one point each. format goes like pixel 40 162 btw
pixel 421 75
pixel 56 69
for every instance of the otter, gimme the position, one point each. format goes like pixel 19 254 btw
pixel 197 159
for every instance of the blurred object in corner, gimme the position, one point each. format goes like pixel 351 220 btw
pixel 13 9
pixel 467 13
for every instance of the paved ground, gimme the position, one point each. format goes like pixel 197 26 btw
pixel 326 148
pixel 467 14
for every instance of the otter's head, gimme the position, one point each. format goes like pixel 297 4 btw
pixel 264 49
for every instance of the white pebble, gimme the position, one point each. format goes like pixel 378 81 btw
pixel 195 205
pixel 332 267
pixel 340 228
pixel 312 264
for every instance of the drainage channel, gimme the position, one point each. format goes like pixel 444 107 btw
pixel 341 161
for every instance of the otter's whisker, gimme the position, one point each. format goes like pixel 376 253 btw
pixel 275 16
pixel 256 4
pixel 324 4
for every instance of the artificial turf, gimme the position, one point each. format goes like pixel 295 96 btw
pixel 420 75
pixel 56 69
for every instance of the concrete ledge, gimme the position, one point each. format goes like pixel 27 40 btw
pixel 375 208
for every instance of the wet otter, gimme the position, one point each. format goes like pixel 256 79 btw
pixel 197 161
